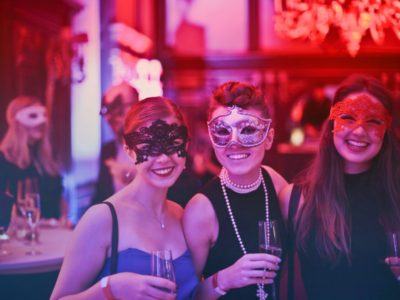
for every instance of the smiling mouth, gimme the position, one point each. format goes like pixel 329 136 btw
pixel 164 172
pixel 238 156
pixel 357 144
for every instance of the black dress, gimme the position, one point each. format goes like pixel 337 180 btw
pixel 50 187
pixel 247 209
pixel 367 277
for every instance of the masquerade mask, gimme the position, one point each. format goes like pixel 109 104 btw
pixel 32 116
pixel 361 111
pixel 250 130
pixel 157 139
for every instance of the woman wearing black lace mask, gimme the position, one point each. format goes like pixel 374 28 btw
pixel 156 140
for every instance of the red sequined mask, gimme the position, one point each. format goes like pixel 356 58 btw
pixel 363 111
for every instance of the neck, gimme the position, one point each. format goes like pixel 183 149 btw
pixel 356 168
pixel 242 188
pixel 244 179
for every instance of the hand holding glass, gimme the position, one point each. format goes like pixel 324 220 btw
pixel 161 265
pixel 393 258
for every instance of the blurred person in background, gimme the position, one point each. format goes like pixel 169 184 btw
pixel 115 170
pixel 110 253
pixel 26 154
pixel 311 111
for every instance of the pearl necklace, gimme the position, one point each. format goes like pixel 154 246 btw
pixel 261 294
pixel 240 188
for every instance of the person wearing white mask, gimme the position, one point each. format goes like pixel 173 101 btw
pixel 26 153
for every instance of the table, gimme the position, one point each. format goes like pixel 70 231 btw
pixel 52 244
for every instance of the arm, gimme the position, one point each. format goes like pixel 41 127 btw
pixel 284 200
pixel 88 248
pixel 201 230
pixel 85 257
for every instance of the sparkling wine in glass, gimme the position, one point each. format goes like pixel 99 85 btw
pixel 28 204
pixel 269 239
pixel 162 266
pixel 269 242
pixel 393 257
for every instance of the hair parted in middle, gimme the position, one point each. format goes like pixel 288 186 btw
pixel 151 109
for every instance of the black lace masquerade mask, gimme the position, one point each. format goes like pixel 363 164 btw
pixel 159 138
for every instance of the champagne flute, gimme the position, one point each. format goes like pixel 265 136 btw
pixel 393 258
pixel 269 242
pixel 28 202
pixel 162 266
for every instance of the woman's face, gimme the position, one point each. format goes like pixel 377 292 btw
pixel 33 118
pixel 159 161
pixel 360 123
pixel 240 138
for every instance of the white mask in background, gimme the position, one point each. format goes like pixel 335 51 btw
pixel 32 116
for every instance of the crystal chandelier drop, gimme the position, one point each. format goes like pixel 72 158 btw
pixel 312 19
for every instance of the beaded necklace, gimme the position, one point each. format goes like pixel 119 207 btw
pixel 261 294
pixel 240 188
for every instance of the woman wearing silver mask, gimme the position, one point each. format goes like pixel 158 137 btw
pixel 221 222
pixel 109 257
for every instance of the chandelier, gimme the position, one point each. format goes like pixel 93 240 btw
pixel 312 19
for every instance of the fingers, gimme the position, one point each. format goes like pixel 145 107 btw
pixel 259 274
pixel 263 256
pixel 161 287
pixel 161 293
pixel 262 264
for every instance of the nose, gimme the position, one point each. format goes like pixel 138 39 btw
pixel 234 140
pixel 359 129
pixel 162 158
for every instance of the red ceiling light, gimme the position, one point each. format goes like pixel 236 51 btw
pixel 312 19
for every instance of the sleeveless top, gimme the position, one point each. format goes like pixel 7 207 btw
pixel 367 277
pixel 247 210
pixel 138 261
pixel 50 187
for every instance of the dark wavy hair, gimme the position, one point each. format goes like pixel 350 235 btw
pixel 325 209
pixel 241 94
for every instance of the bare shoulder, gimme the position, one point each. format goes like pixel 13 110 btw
pixel 95 223
pixel 199 207
pixel 279 182
pixel 284 199
pixel 199 217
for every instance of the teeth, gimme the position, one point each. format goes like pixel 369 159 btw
pixel 163 171
pixel 238 156
pixel 357 144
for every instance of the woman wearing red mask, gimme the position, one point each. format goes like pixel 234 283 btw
pixel 350 198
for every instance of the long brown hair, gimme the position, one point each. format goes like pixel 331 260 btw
pixel 325 208
pixel 15 146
